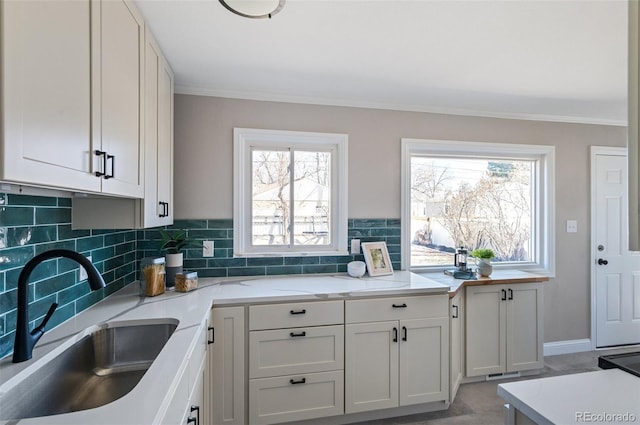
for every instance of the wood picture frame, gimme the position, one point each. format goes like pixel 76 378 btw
pixel 377 258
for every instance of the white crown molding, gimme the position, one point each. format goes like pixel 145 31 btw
pixel 271 97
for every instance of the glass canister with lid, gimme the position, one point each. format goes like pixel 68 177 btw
pixel 152 276
pixel 186 281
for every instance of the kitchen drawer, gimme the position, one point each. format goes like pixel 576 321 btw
pixel 296 397
pixel 292 315
pixel 298 350
pixel 396 308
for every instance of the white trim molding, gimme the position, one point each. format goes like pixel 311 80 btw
pixel 567 347
pixel 544 191
pixel 245 139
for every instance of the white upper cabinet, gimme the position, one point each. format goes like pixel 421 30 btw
pixel 117 121
pixel 71 86
pixel 158 197
pixel 46 94
pixel 156 207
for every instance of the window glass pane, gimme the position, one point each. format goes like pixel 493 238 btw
pixel 312 193
pixel 270 197
pixel 475 203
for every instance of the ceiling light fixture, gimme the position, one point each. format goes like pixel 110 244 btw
pixel 255 9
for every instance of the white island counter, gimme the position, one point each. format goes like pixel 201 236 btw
pixel 609 396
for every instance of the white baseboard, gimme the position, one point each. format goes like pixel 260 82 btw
pixel 566 347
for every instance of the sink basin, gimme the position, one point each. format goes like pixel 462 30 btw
pixel 100 368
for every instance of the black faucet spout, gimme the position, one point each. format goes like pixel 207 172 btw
pixel 25 340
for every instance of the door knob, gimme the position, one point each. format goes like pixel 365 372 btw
pixel 602 262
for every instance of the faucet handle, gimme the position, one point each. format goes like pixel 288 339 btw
pixel 40 327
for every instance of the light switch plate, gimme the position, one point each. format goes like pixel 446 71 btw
pixel 572 226
pixel 207 248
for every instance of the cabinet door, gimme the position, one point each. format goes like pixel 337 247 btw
pixel 227 365
pixel 524 327
pixel 455 344
pixel 118 119
pixel 158 135
pixel 371 366
pixel 424 360
pixel 485 330
pixel 46 94
pixel 197 400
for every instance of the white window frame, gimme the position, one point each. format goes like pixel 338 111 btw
pixel 244 139
pixel 544 194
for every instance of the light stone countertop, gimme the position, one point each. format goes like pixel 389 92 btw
pixel 147 402
pixel 609 396
pixel 498 277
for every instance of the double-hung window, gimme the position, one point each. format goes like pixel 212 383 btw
pixel 477 195
pixel 290 193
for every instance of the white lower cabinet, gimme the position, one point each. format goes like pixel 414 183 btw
pixel 456 335
pixel 227 366
pixel 296 397
pixel 187 405
pixel 396 362
pixel 296 361
pixel 503 328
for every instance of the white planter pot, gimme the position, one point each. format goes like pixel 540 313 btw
pixel 484 267
pixel 173 265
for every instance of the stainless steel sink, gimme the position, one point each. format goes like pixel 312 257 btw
pixel 96 370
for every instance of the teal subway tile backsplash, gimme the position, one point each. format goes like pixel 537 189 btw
pixel 223 264
pixel 33 224
pixel 30 225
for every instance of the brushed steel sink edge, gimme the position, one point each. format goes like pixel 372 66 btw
pixel 94 368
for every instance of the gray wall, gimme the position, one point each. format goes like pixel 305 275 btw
pixel 204 179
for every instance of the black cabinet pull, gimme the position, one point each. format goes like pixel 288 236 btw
pixel 113 167
pixel 404 333
pixel 510 294
pixel 103 154
pixel 213 335
pixel 455 315
pixel 303 311
pixel 192 420
pixel 395 334
pixel 300 381
pixel 403 305
pixel 197 409
pixel 294 335
pixel 504 295
pixel 165 209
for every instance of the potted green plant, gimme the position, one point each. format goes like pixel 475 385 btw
pixel 173 243
pixel 483 257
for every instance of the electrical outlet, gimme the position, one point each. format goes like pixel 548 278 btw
pixel 355 246
pixel 207 248
pixel 572 226
pixel 83 272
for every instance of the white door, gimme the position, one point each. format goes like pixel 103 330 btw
pixel 617 270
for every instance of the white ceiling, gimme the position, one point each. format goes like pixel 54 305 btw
pixel 533 59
